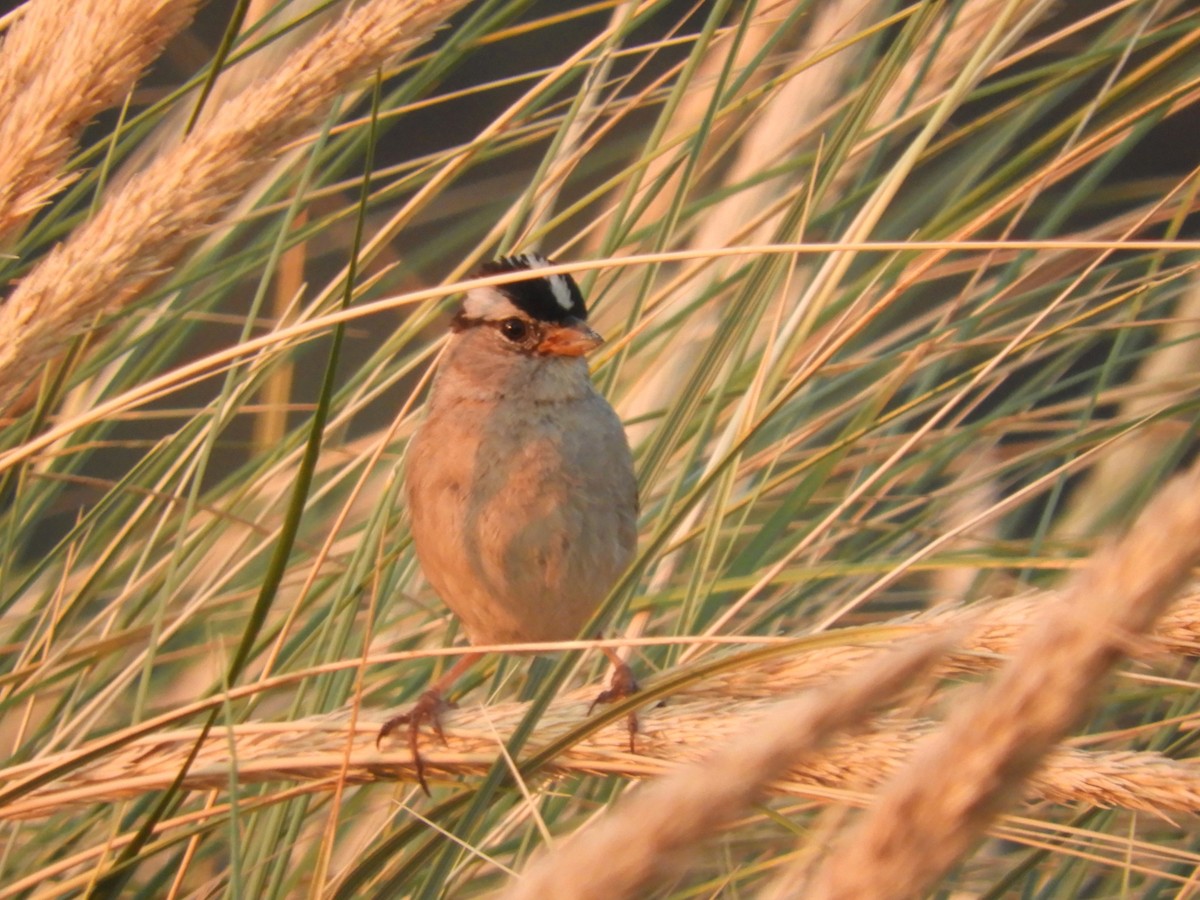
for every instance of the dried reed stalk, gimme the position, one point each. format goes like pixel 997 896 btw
pixel 684 730
pixel 63 62
pixel 937 59
pixel 995 629
pixel 693 107
pixel 777 126
pixel 1165 377
pixel 313 750
pixel 961 778
pixel 143 228
pixel 672 815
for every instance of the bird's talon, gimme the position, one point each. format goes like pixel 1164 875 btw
pixel 428 708
pixel 621 685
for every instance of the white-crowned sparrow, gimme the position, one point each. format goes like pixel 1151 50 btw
pixel 520 483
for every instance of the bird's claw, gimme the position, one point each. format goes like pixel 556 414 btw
pixel 621 685
pixel 428 708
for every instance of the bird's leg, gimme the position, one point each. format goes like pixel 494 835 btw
pixel 428 708
pixel 621 685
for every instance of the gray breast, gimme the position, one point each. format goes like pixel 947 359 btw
pixel 523 513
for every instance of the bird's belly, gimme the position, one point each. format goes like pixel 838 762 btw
pixel 521 548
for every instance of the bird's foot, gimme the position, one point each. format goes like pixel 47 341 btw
pixel 621 685
pixel 428 708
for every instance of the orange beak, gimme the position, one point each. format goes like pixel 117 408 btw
pixel 572 338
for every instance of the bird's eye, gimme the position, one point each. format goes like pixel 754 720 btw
pixel 514 329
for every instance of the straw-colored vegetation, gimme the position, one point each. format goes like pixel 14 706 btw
pixel 63 63
pixel 902 314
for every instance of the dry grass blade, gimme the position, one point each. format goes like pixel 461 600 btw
pixel 63 62
pixel 779 123
pixel 699 716
pixel 1163 377
pixel 313 751
pixel 992 631
pixel 648 836
pixel 143 229
pixel 960 779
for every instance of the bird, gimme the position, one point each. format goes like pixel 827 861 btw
pixel 520 484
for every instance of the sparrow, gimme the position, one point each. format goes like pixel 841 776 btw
pixel 520 484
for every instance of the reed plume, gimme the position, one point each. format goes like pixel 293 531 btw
pixel 145 227
pixel 62 62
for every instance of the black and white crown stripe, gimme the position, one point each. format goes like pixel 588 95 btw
pixel 548 298
pixel 560 285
